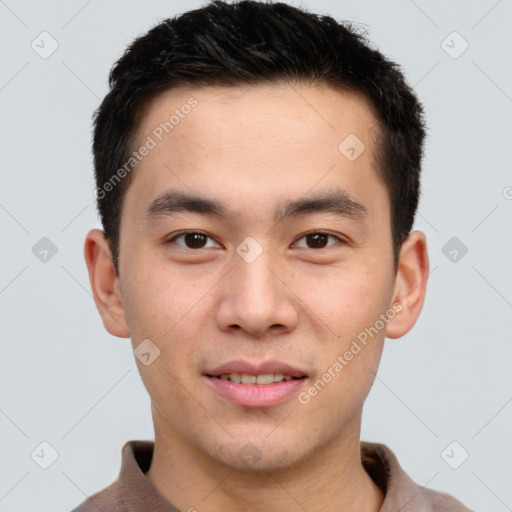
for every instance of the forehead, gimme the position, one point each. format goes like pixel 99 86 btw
pixel 310 112
pixel 256 140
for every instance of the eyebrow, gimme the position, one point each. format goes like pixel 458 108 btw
pixel 335 201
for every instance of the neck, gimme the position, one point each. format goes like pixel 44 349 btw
pixel 331 479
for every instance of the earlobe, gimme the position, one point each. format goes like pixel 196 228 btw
pixel 410 284
pixel 105 283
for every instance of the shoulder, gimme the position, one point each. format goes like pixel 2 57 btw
pixel 106 500
pixel 131 485
pixel 442 502
pixel 401 492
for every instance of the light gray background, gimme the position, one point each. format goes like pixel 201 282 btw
pixel 66 381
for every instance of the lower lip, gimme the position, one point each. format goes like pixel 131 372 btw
pixel 256 395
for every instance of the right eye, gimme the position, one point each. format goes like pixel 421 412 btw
pixel 192 240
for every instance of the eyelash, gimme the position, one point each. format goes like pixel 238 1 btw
pixel 183 233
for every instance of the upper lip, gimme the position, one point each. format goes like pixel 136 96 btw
pixel 241 366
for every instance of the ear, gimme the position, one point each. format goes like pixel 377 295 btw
pixel 410 284
pixel 105 283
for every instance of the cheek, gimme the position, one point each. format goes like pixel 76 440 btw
pixel 170 311
pixel 346 301
pixel 158 302
pixel 348 305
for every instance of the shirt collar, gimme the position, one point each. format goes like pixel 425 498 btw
pixel 401 493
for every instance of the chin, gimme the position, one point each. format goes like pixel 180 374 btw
pixel 257 456
pixel 267 463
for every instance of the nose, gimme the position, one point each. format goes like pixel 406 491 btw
pixel 257 298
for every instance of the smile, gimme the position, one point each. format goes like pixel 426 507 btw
pixel 262 379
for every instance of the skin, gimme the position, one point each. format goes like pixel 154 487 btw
pixel 252 148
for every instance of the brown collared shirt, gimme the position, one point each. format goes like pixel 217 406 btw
pixel 133 492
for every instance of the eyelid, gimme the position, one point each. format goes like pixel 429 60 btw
pixel 339 239
pixel 172 238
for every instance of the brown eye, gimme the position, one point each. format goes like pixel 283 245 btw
pixel 193 240
pixel 317 240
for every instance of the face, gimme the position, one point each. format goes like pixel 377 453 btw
pixel 254 245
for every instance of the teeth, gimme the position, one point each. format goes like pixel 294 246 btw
pixel 266 378
pixel 235 377
pixel 263 379
pixel 248 379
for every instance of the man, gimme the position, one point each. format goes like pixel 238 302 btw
pixel 257 174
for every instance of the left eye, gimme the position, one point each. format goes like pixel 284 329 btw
pixel 317 240
pixel 193 240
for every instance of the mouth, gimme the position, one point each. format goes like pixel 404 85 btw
pixel 263 379
pixel 256 385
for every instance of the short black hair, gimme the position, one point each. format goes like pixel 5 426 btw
pixel 251 42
